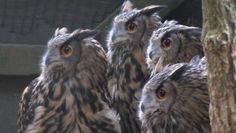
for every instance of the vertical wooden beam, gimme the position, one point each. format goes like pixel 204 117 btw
pixel 219 36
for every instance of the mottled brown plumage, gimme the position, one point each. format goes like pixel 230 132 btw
pixel 70 95
pixel 127 43
pixel 176 99
pixel 173 43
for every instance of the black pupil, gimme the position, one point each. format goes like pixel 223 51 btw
pixel 131 26
pixel 66 49
pixel 162 93
pixel 167 42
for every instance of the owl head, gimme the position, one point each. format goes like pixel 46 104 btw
pixel 176 99
pixel 173 43
pixel 66 51
pixel 133 25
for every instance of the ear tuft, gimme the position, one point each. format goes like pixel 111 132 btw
pixel 149 10
pixel 127 6
pixel 61 31
pixel 86 33
pixel 195 60
pixel 178 70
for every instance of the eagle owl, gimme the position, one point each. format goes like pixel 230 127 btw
pixel 176 99
pixel 70 95
pixel 173 43
pixel 127 43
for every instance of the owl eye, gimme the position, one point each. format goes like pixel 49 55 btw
pixel 167 43
pixel 66 50
pixel 131 27
pixel 161 94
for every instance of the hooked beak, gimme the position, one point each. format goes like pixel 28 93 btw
pixel 142 108
pixel 118 37
pixel 159 66
pixel 151 55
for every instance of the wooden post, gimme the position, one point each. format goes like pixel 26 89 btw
pixel 219 36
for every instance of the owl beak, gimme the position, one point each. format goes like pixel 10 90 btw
pixel 118 38
pixel 159 66
pixel 146 107
pixel 151 54
pixel 113 38
pixel 142 108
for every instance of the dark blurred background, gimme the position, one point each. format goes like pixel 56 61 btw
pixel 26 25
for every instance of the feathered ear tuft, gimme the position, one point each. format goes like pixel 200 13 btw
pixel 84 33
pixel 195 60
pixel 176 73
pixel 61 31
pixel 127 6
pixel 199 62
pixel 193 32
pixel 149 10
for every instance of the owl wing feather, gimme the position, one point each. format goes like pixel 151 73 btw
pixel 26 105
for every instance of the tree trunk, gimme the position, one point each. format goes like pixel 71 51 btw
pixel 219 37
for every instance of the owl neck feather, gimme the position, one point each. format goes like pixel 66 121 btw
pixel 81 94
pixel 77 99
pixel 130 73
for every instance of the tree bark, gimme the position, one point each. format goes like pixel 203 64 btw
pixel 219 37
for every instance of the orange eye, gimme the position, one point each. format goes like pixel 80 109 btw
pixel 161 94
pixel 166 43
pixel 66 50
pixel 131 27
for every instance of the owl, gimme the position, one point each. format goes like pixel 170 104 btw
pixel 176 99
pixel 70 95
pixel 127 43
pixel 173 43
